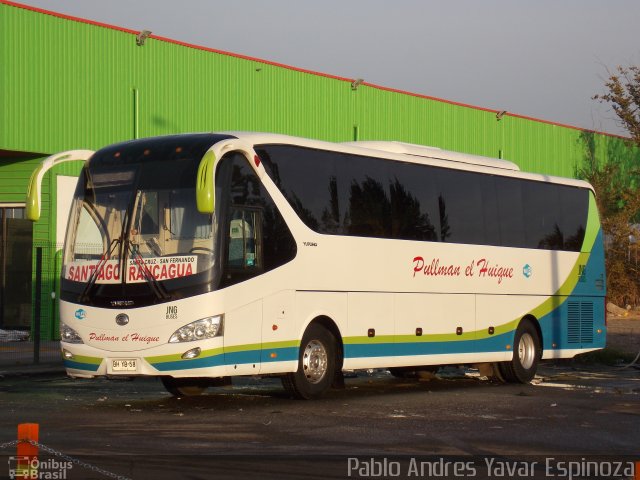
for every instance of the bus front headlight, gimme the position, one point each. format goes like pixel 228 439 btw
pixel 199 330
pixel 68 334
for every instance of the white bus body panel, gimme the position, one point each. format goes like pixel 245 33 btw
pixel 377 292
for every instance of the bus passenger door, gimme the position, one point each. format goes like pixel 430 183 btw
pixel 243 321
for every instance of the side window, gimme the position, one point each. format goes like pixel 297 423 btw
pixel 341 194
pixel 460 204
pixel 490 209
pixel 414 203
pixel 255 237
pixel 575 209
pixel 510 212
pixel 307 179
pixel 363 188
pixel 543 227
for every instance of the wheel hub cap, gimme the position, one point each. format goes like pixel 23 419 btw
pixel 314 361
pixel 526 351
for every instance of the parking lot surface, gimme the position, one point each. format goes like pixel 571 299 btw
pixel 568 410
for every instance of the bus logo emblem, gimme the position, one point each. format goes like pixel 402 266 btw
pixel 122 319
pixel 527 271
pixel 80 314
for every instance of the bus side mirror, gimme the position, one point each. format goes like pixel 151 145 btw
pixel 34 190
pixel 205 185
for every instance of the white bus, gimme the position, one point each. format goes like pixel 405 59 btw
pixel 198 257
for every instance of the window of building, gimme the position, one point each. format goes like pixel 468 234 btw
pixel 16 246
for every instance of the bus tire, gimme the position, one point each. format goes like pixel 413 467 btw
pixel 184 387
pixel 526 355
pixel 316 365
pixel 497 372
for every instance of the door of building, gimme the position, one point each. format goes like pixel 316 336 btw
pixel 16 247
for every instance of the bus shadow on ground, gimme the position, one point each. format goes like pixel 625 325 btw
pixel 254 392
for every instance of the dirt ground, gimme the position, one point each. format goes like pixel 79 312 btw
pixel 623 333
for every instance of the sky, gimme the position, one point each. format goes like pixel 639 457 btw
pixel 539 58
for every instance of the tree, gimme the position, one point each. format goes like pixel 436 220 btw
pixel 624 97
pixel 616 184
pixel 618 204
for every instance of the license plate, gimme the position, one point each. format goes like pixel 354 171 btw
pixel 124 365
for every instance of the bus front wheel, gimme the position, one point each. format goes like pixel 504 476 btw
pixel 316 364
pixel 526 355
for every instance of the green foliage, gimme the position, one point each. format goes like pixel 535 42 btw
pixel 624 97
pixel 614 172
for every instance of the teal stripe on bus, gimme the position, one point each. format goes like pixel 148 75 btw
pixel 232 358
pixel 91 367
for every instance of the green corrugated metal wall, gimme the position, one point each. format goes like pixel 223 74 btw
pixel 66 84
pixel 14 174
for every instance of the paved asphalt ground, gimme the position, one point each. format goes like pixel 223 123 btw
pixel 254 430
pixel 136 429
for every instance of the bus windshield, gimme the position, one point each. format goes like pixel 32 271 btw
pixel 134 226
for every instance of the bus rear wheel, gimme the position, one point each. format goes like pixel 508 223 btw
pixel 184 387
pixel 526 355
pixel 316 365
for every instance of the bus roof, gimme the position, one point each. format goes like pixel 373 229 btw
pixel 434 152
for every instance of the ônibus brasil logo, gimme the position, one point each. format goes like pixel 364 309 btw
pixel 81 314
pixel 527 271
pixel 29 467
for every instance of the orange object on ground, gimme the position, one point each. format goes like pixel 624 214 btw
pixel 27 452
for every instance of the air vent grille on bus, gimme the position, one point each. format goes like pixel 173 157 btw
pixel 580 324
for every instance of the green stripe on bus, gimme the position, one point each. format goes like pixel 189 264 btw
pixel 283 344
pixel 434 337
pixel 84 359
pixel 221 350
pixel 593 225
pixel 178 356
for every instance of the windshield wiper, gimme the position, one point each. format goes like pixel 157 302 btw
pixel 91 281
pixel 156 286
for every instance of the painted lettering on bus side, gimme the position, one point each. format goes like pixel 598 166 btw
pixel 434 269
pixel 495 271
pixel 481 268
pixel 130 337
